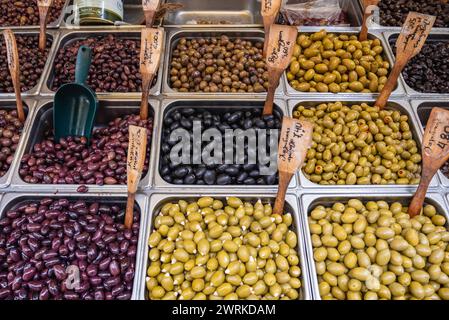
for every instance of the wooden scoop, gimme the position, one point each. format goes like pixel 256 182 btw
pixel 366 14
pixel 279 55
pixel 295 140
pixel 435 153
pixel 269 11
pixel 150 58
pixel 413 35
pixel 44 7
pixel 149 9
pixel 137 150
pixel 14 70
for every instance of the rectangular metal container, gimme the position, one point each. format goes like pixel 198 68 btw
pixel 400 105
pixel 12 200
pixel 157 200
pixel 234 12
pixel 170 104
pixel 29 108
pixel 54 25
pixel 309 201
pixel 350 7
pixel 108 110
pixel 67 37
pixel 397 92
pixel 436 36
pixel 54 36
pixel 422 109
pixel 372 25
pixel 132 17
pixel 176 34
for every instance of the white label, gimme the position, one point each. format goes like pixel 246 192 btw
pixel 115 6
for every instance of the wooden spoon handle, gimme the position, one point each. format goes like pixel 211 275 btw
pixel 273 82
pixel 147 79
pixel 382 100
pixel 129 216
pixel 43 19
pixel 14 70
pixel 418 199
pixel 364 32
pixel 284 180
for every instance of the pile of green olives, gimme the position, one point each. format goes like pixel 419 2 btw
pixel 208 249
pixel 327 62
pixel 374 250
pixel 360 144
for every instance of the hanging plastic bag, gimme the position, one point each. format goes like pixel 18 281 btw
pixel 314 13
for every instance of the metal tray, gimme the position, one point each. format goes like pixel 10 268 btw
pixel 108 110
pixel 437 36
pixel 54 36
pixel 67 37
pixel 235 12
pixel 12 200
pixel 422 109
pixel 350 7
pixel 171 104
pixel 398 91
pixel 9 105
pixel 157 200
pixel 173 39
pixel 310 201
pixel 400 105
pixel 53 25
pixel 378 27
pixel 133 16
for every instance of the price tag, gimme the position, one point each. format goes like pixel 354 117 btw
pixel 282 40
pixel 150 50
pixel 436 137
pixel 137 150
pixel 414 33
pixel 270 7
pixel 295 140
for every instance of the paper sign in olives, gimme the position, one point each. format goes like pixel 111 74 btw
pixel 435 152
pixel 149 8
pixel 136 159
pixel 282 40
pixel 14 69
pixel 410 42
pixel 150 57
pixel 295 140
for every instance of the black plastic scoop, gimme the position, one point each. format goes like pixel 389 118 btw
pixel 75 104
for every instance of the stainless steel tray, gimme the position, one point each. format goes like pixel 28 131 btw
pixel 42 120
pixel 157 200
pixel 51 34
pixel 422 109
pixel 310 201
pixel 398 92
pixel 53 25
pixel 29 109
pixel 170 104
pixel 67 37
pixel 133 16
pixel 391 37
pixel 11 200
pixel 176 34
pixel 401 105
pixel 237 13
